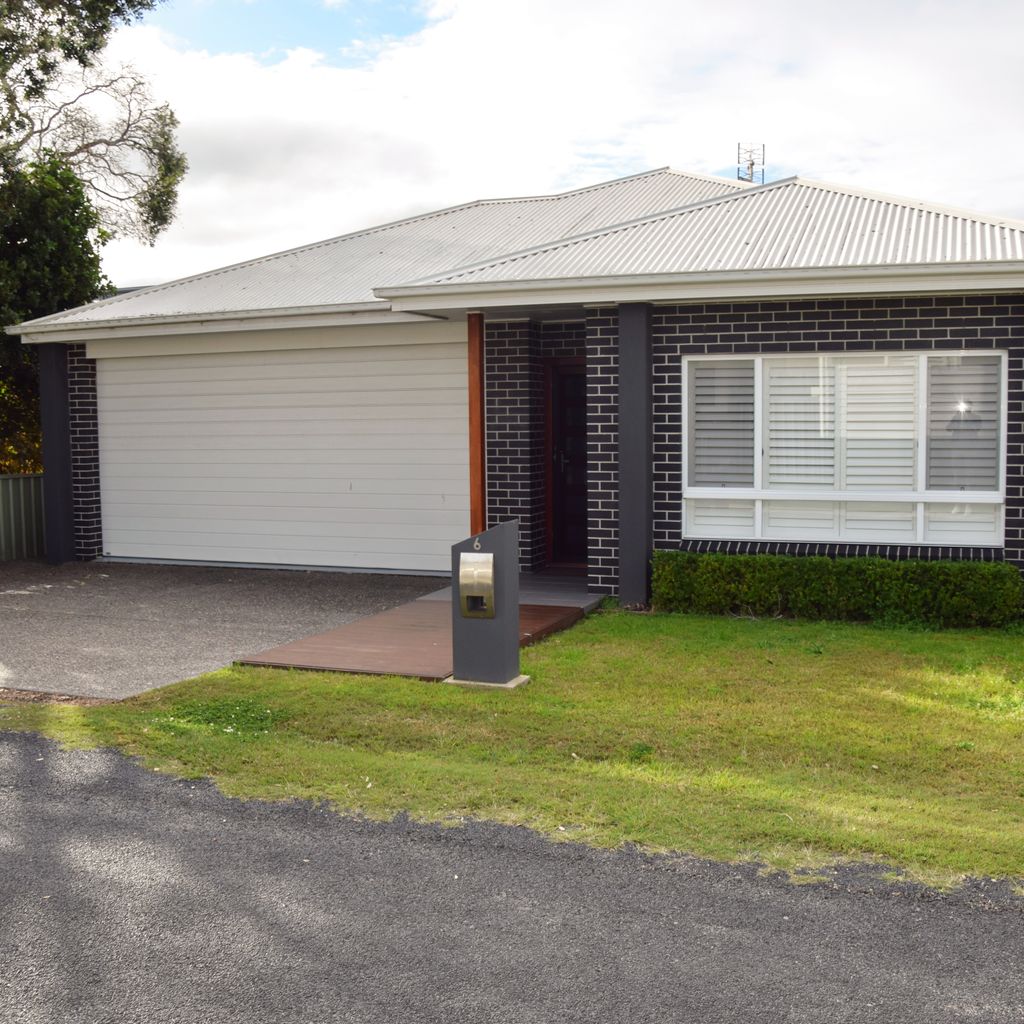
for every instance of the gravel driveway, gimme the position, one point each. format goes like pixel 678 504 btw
pixel 111 630
pixel 129 897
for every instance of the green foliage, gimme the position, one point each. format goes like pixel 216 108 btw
pixel 37 36
pixel 932 594
pixel 56 96
pixel 159 197
pixel 49 260
pixel 71 174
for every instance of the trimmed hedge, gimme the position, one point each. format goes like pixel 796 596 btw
pixel 936 594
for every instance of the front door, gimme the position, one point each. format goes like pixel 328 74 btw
pixel 567 462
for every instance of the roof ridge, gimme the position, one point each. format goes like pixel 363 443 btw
pixel 557 243
pixel 217 271
pixel 793 180
pixel 919 204
pixel 740 186
pixel 360 233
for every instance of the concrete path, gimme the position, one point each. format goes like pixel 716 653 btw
pixel 128 897
pixel 112 630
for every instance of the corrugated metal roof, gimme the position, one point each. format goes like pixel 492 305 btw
pixel 344 270
pixel 788 224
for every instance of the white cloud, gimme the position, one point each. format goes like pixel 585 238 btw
pixel 492 98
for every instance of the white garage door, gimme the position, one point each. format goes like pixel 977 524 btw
pixel 354 456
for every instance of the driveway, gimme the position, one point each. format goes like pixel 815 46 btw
pixel 129 897
pixel 112 630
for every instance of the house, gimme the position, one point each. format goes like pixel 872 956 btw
pixel 666 360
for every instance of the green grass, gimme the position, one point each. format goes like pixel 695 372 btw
pixel 787 742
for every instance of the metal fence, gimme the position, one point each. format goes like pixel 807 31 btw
pixel 21 517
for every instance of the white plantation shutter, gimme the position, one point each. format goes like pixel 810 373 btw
pixel 878 416
pixel 708 517
pixel 963 523
pixel 722 434
pixel 846 443
pixel 963 423
pixel 879 521
pixel 800 429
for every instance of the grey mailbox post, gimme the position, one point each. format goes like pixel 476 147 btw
pixel 485 608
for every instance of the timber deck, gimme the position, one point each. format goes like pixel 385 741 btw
pixel 415 639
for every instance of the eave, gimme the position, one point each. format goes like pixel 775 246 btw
pixel 48 329
pixel 710 286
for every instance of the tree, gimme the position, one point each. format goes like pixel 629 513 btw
pixel 106 126
pixel 56 98
pixel 50 240
pixel 38 37
pixel 85 153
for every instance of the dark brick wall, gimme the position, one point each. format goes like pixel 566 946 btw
pixel 85 453
pixel 514 354
pixel 894 551
pixel 944 323
pixel 602 331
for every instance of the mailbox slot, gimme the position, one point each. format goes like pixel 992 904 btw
pixel 476 584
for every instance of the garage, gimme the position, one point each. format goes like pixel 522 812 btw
pixel 335 448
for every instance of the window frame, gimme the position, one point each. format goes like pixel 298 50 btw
pixel 920 497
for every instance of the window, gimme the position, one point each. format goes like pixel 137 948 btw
pixel 890 449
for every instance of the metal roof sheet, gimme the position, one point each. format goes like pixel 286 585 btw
pixel 788 224
pixel 344 270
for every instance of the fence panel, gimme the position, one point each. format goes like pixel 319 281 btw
pixel 21 517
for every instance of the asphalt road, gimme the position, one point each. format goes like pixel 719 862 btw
pixel 129 897
pixel 112 629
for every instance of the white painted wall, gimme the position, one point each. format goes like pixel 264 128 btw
pixel 349 456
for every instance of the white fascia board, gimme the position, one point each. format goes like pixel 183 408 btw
pixel 344 316
pixel 713 285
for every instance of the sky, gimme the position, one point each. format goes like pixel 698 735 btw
pixel 306 119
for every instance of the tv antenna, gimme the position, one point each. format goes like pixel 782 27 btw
pixel 750 162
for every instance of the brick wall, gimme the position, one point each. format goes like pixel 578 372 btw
pixel 945 323
pixel 85 453
pixel 602 332
pixel 514 354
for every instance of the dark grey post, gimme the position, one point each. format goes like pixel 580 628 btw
pixel 635 454
pixel 486 650
pixel 59 520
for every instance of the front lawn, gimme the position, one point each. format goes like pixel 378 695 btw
pixel 787 742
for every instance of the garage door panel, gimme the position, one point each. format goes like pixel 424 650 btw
pixel 321 369
pixel 398 429
pixel 213 470
pixel 198 364
pixel 301 543
pixel 267 554
pixel 230 406
pixel 295 442
pixel 234 526
pixel 302 460
pixel 287 458
pixel 290 385
pixel 213 486
pixel 130 514
pixel 284 500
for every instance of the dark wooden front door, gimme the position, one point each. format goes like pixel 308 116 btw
pixel 567 462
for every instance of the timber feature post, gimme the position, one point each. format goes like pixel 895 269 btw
pixel 636 511
pixel 58 500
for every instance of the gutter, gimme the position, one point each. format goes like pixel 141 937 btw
pixel 1004 276
pixel 54 329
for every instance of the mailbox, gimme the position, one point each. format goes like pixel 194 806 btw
pixel 485 608
pixel 476 584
